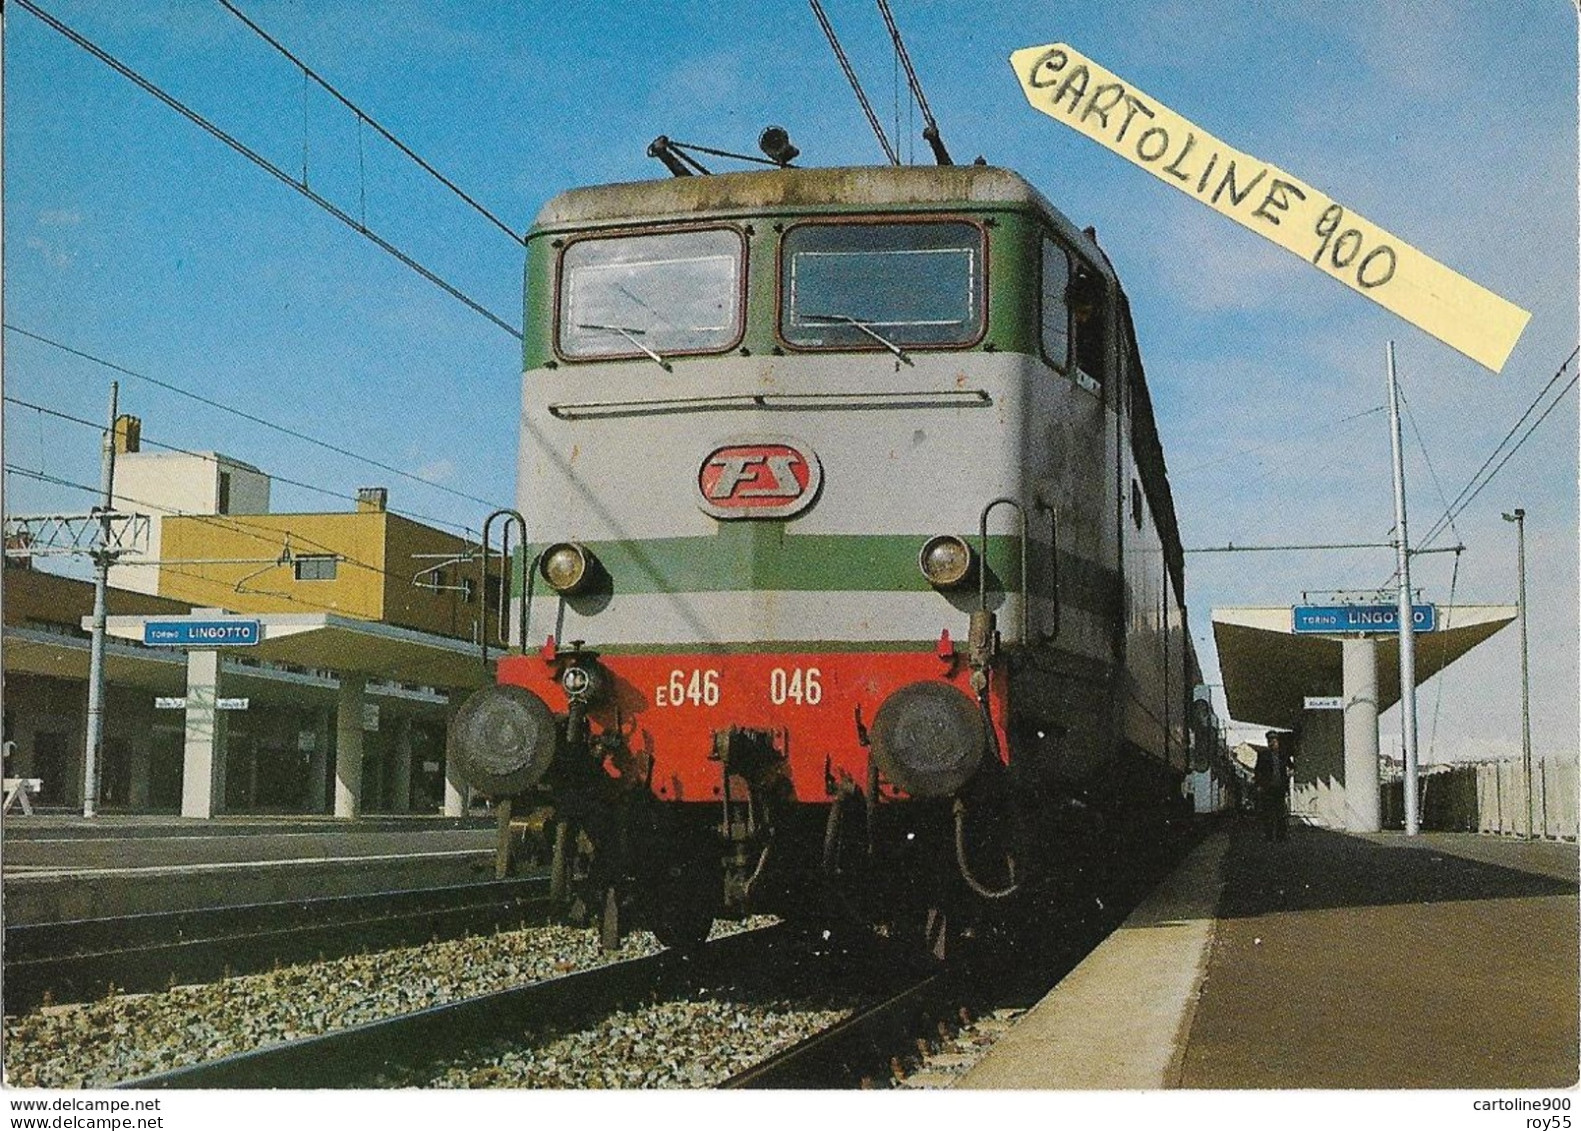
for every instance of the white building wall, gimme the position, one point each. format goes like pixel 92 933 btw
pixel 161 483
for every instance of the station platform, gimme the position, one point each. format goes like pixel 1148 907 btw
pixel 1325 961
pixel 56 867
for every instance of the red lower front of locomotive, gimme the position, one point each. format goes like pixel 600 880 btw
pixel 682 786
pixel 663 717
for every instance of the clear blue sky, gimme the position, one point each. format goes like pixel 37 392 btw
pixel 133 235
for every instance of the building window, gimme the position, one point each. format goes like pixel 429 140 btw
pixel 224 506
pixel 316 567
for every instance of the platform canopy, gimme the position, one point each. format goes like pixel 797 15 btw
pixel 1269 669
pixel 329 641
pixel 36 651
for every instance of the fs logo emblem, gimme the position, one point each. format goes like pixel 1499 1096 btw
pixel 758 477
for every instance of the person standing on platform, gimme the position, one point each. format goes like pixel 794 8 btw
pixel 1272 780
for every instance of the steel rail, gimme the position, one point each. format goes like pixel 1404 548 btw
pixel 862 1045
pixel 349 1058
pixel 78 960
pixel 882 1038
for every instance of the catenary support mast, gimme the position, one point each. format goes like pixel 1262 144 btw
pixel 1407 628
pixel 103 556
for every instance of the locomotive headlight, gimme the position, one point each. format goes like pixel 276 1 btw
pixel 929 738
pixel 567 567
pixel 946 561
pixel 583 683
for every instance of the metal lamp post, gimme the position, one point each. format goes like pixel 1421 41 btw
pixel 1519 519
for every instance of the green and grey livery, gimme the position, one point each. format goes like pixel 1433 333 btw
pixel 939 338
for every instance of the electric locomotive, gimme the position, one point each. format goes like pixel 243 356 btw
pixel 848 575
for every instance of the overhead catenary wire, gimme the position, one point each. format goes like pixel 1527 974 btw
pixel 1478 481
pixel 247 416
pixel 364 117
pixel 930 126
pixel 1428 459
pixel 269 167
pixel 1483 475
pixel 856 86
pixel 895 91
pixel 1232 548
pixel 268 535
pixel 1517 446
pixel 1282 442
pixel 214 459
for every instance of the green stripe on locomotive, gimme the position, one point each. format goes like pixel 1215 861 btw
pixel 767 556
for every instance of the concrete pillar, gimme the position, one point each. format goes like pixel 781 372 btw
pixel 203 765
pixel 318 763
pixel 252 771
pixel 455 787
pixel 141 755
pixel 1359 663
pixel 401 768
pixel 348 744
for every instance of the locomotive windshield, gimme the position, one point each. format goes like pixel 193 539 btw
pixel 668 292
pixel 876 285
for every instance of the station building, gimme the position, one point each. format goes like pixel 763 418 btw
pixel 370 622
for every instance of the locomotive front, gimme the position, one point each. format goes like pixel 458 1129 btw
pixel 765 590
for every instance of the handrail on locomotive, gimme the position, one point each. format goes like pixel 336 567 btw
pixel 509 515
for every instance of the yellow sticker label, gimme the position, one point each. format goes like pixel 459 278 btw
pixel 1070 88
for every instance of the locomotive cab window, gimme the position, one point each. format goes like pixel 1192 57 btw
pixel 651 295
pixel 878 286
pixel 1089 320
pixel 1056 305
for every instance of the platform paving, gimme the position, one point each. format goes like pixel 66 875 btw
pixel 1324 961
pixel 61 868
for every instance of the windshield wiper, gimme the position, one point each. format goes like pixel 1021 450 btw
pixel 899 353
pixel 630 334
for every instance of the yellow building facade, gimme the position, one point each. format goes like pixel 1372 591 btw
pixel 368 564
pixel 347 718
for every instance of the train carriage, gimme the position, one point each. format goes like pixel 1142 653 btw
pixel 848 570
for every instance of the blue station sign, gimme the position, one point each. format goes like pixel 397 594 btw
pixel 201 633
pixel 1335 619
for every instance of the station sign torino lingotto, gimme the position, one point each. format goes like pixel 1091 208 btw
pixel 1070 88
pixel 193 633
pixel 1337 619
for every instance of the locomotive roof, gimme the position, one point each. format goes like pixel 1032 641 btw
pixel 792 190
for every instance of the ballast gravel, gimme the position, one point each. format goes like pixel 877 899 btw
pixel 668 1044
pixel 956 1053
pixel 123 1037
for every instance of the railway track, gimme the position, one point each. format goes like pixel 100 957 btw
pixel 880 1043
pixel 81 960
pixel 395 1048
pixel 862 1047
pixel 774 1007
